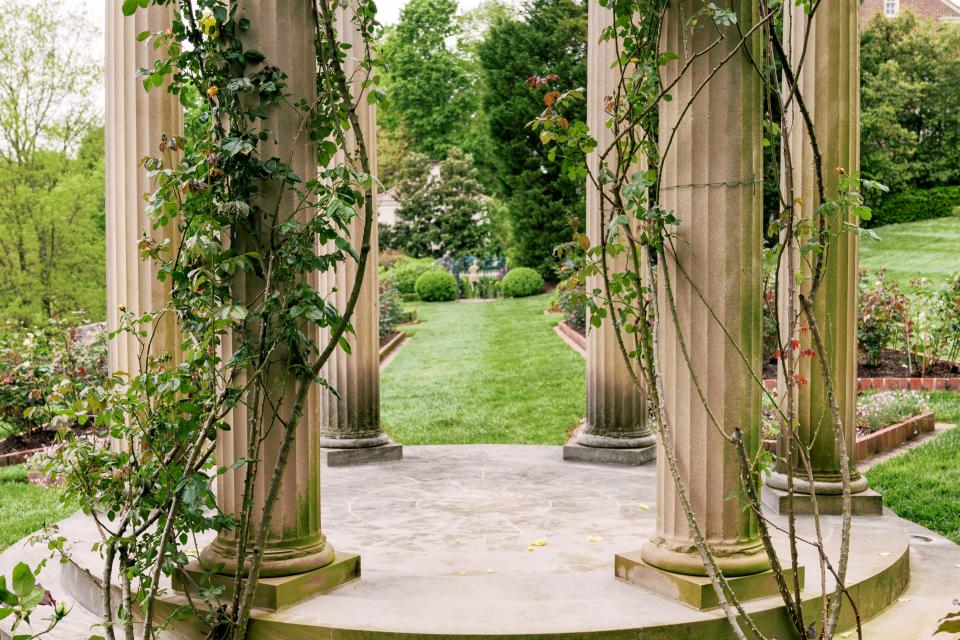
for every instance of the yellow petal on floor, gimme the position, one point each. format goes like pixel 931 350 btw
pixel 539 542
pixel 594 538
pixel 530 548
pixel 461 573
pixel 645 507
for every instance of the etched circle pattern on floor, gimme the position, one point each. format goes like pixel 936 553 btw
pixel 487 509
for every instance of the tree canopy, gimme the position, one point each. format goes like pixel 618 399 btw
pixel 549 37
pixel 910 102
pixel 51 166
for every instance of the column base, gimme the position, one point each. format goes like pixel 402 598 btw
pixel 694 591
pixel 587 447
pixel 345 452
pixel 281 592
pixel 864 503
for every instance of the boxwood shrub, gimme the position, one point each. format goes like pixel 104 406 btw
pixel 521 282
pixel 404 273
pixel 436 286
pixel 916 204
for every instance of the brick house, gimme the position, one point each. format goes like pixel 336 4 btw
pixel 942 10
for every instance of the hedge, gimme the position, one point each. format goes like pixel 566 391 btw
pixel 916 204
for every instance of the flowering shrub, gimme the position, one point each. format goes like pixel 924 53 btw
pixel 925 324
pixel 45 369
pixel 881 314
pixel 931 328
pixel 880 410
pixel 392 312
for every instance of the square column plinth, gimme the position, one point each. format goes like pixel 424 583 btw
pixel 575 452
pixel 695 591
pixel 278 593
pixel 865 503
pixel 391 452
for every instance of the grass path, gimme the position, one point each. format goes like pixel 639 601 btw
pixel 923 484
pixel 485 372
pixel 929 248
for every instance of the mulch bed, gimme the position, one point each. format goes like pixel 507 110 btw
pixel 893 364
pixel 387 338
pixel 27 441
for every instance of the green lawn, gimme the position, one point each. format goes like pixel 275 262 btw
pixel 929 248
pixel 25 508
pixel 923 485
pixel 484 372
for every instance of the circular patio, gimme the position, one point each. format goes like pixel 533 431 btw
pixel 510 541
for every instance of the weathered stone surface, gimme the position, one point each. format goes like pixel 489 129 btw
pixel 695 591
pixel 865 503
pixel 367 455
pixel 445 539
pixel 574 452
pixel 275 594
pixel 829 82
pixel 712 179
pixel 616 408
pixel 136 123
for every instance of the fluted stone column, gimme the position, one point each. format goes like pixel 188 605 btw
pixel 350 428
pixel 284 32
pixel 829 82
pixel 136 123
pixel 615 429
pixel 711 176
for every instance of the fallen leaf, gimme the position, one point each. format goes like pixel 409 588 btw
pixel 529 548
pixel 539 542
pixel 645 507
pixel 594 538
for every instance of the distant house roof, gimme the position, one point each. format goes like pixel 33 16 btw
pixel 942 10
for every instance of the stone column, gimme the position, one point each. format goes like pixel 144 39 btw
pixel 296 546
pixel 350 431
pixel 712 180
pixel 615 429
pixel 136 123
pixel 829 82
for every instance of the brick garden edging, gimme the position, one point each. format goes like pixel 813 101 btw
pixel 885 439
pixel 896 384
pixel 17 457
pixel 895 435
pixel 574 339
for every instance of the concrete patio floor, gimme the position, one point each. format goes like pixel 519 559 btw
pixel 510 541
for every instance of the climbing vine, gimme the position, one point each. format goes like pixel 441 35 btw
pixel 638 237
pixel 252 238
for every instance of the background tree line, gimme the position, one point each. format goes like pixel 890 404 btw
pixel 471 177
pixel 51 166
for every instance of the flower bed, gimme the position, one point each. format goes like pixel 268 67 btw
pixel 885 420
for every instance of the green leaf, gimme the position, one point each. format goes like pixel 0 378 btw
pixel 4 612
pixel 23 580
pixel 129 7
